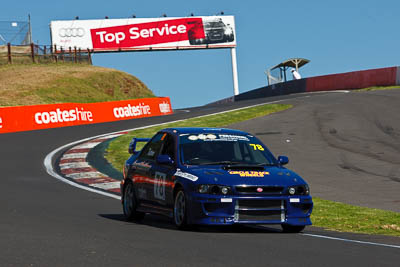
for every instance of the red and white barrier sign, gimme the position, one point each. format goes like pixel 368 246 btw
pixel 26 118
pixel 145 34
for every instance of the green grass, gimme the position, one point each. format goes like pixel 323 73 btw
pixel 98 87
pixel 326 214
pixel 377 88
pixel 117 152
pixel 33 84
pixel 348 218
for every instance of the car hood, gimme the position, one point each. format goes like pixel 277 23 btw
pixel 273 176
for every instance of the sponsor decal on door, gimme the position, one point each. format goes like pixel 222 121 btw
pixel 159 186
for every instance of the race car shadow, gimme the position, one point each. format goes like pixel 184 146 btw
pixel 162 222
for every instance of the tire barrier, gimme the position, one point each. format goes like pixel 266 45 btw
pixel 26 118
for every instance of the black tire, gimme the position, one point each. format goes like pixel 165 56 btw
pixel 180 210
pixel 192 42
pixel 287 228
pixel 196 41
pixel 129 204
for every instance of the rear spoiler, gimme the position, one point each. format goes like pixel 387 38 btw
pixel 132 144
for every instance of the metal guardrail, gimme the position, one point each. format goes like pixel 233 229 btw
pixel 33 53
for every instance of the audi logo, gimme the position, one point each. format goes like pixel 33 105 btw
pixel 71 32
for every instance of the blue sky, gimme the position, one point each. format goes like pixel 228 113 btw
pixel 337 36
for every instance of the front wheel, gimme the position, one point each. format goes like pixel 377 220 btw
pixel 180 217
pixel 129 204
pixel 287 228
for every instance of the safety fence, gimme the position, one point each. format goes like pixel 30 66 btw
pixel 33 53
pixel 16 32
pixel 26 118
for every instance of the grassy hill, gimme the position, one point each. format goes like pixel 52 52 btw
pixel 60 83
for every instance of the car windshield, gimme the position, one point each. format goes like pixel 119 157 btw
pixel 215 24
pixel 223 149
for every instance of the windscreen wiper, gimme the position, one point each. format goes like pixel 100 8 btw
pixel 267 164
pixel 225 162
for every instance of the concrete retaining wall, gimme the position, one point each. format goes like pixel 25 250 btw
pixel 342 81
pixel 353 80
pixel 290 87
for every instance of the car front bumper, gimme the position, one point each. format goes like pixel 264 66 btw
pixel 225 210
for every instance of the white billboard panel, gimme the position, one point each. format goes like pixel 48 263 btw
pixel 145 33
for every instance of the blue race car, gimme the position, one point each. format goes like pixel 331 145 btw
pixel 213 176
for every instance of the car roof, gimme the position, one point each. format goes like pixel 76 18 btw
pixel 199 130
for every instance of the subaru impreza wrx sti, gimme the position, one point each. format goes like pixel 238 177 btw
pixel 213 176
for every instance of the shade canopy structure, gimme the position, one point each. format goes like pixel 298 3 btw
pixel 278 72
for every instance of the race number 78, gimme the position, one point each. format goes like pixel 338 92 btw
pixel 257 147
pixel 159 185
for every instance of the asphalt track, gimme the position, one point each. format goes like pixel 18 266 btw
pixel 346 146
pixel 45 222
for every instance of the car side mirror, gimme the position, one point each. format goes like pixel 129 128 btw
pixel 283 160
pixel 164 159
pixel 133 143
pixel 132 147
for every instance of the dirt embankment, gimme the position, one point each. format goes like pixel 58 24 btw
pixel 34 84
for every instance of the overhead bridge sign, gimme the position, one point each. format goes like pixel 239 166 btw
pixel 145 34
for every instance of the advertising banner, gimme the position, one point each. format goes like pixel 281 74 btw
pixel 26 118
pixel 145 33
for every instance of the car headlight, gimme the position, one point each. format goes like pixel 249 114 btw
pixel 214 189
pixel 307 189
pixel 225 190
pixel 299 190
pixel 292 190
pixel 228 31
pixel 204 188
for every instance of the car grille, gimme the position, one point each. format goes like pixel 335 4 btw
pixel 256 215
pixel 271 190
pixel 216 35
pixel 254 210
pixel 259 203
pixel 218 207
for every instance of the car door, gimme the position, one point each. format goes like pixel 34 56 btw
pixel 144 169
pixel 163 174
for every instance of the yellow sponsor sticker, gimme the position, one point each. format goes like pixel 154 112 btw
pixel 257 147
pixel 249 173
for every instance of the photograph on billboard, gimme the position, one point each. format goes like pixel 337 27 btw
pixel 145 33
